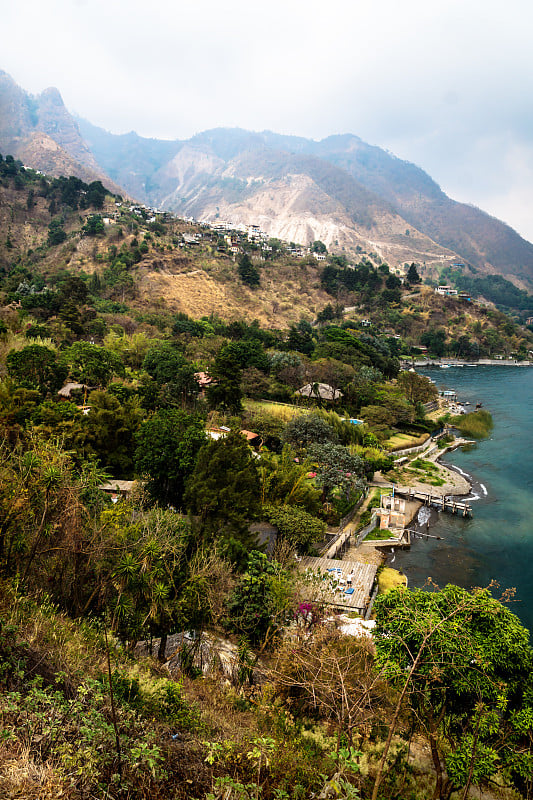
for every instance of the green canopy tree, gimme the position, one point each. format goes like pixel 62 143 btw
pixel 168 444
pixel 336 466
pixel 295 525
pixel 36 367
pixel 248 272
pixel 94 226
pixel 417 388
pixel 254 604
pixel 412 274
pixel 91 364
pixel 224 494
pixel 464 665
pixel 284 481
pixel 225 392
pixel 170 369
pixel 108 432
pixel 306 429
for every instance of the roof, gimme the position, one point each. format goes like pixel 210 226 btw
pixel 322 390
pixel 71 387
pixel 267 535
pixel 250 435
pixel 117 486
pixel 363 576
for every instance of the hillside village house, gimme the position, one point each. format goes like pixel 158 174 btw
pixel 446 291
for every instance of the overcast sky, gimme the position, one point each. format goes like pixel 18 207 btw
pixel 446 84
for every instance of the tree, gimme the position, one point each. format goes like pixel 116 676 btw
pixel 94 226
pixel 36 367
pixel 463 662
pixel 96 193
pixel 91 364
pixel 248 353
pixel 56 234
pixel 142 571
pixel 417 388
pixel 332 372
pixel 248 273
pixel 301 338
pixel 108 432
pixel 169 368
pixel 334 677
pixel 168 444
pixel 435 341
pixel 252 604
pixel 284 480
pixel 306 429
pixel 225 391
pixel 255 384
pixel 295 525
pixel 412 274
pixel 393 282
pixel 74 290
pixel 337 467
pixel 224 493
pixel 318 247
pixel 46 506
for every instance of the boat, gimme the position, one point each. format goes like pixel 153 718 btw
pixel 445 366
pixel 470 365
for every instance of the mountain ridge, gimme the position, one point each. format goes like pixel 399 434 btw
pixel 30 126
pixel 460 232
pixel 350 194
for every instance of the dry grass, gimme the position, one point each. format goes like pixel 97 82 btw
pixel 389 579
pixel 22 777
pixel 401 441
pixel 282 411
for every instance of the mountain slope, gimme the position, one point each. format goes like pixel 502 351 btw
pixel 477 236
pixel 44 135
pixel 350 194
pixel 232 174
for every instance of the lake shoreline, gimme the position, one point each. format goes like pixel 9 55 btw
pixel 496 543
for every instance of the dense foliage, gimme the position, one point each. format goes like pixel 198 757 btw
pixel 226 454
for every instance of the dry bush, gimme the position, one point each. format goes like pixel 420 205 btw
pixel 333 677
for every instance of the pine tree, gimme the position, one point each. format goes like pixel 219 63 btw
pixel 248 273
pixel 223 492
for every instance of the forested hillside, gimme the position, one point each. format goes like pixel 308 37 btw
pixel 185 415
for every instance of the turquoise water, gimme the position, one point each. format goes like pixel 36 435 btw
pixel 497 542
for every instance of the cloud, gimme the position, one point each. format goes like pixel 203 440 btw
pixel 443 84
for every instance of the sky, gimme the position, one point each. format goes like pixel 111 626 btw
pixel 445 84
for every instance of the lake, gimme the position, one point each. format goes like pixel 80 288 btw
pixel 497 542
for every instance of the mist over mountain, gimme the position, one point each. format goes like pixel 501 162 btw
pixel 351 195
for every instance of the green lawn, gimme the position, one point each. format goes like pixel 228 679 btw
pixel 378 534
pixel 426 471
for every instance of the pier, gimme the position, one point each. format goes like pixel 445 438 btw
pixel 448 504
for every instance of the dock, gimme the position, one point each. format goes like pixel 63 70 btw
pixel 448 504
pixel 364 576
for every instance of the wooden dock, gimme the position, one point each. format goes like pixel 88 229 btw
pixel 437 501
pixel 363 579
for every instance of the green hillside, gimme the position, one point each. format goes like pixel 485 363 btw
pixel 186 414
